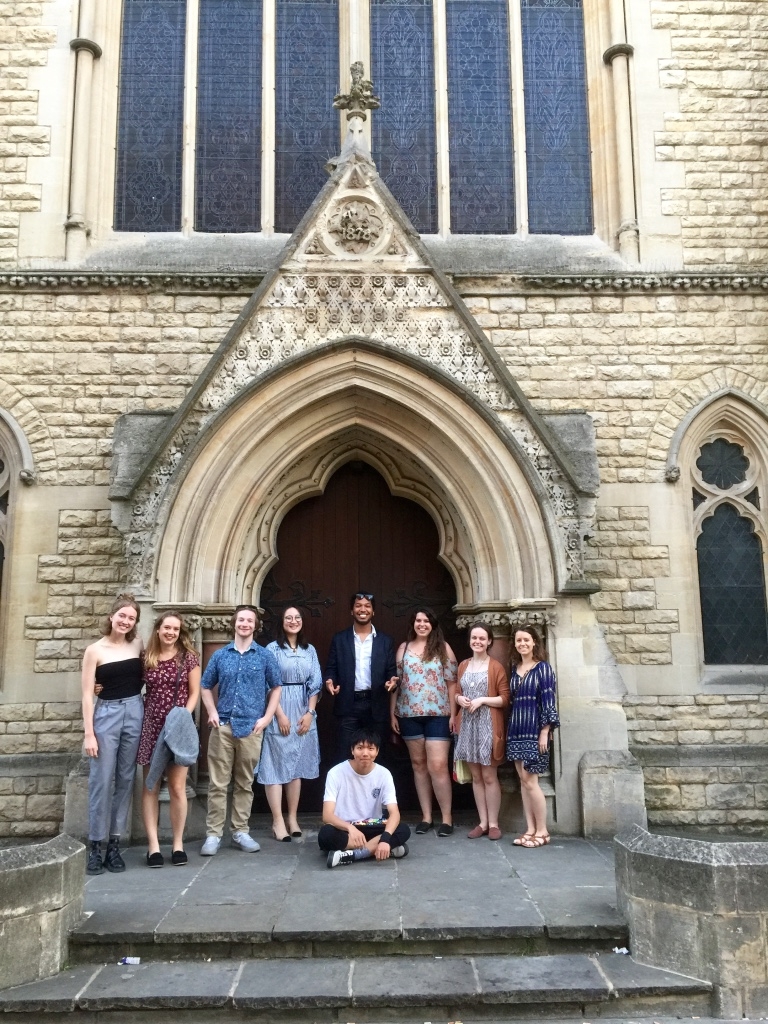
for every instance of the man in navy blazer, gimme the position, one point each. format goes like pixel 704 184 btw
pixel 361 673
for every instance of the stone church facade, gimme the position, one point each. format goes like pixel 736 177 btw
pixel 584 417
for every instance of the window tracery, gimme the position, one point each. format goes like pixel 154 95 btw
pixel 729 478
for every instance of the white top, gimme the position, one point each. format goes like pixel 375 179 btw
pixel 358 797
pixel 363 651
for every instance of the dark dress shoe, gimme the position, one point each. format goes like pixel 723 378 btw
pixel 178 857
pixel 155 860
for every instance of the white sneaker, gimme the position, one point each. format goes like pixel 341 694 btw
pixel 244 842
pixel 337 857
pixel 399 851
pixel 210 846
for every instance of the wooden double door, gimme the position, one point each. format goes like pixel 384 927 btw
pixel 357 536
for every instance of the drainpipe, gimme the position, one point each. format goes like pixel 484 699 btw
pixel 617 58
pixel 86 52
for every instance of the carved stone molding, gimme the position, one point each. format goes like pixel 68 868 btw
pixel 619 50
pixel 85 44
pixel 206 283
pixel 511 618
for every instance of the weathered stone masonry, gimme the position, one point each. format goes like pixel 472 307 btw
pixel 704 757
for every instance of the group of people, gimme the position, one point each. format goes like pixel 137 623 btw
pixel 261 708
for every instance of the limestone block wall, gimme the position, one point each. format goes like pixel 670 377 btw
pixel 704 758
pixel 25 40
pixel 39 745
pixel 718 65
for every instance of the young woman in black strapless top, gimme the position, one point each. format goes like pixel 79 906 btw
pixel 112 730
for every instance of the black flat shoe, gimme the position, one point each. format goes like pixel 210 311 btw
pixel 281 839
pixel 296 835
pixel 155 860
pixel 444 830
pixel 423 827
pixel 178 857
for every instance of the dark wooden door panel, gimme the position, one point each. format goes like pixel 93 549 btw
pixel 357 535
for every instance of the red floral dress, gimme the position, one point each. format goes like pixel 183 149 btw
pixel 158 701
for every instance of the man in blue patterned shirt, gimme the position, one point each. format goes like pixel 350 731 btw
pixel 244 674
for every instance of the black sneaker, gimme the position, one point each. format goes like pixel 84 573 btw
pixel 337 857
pixel 112 859
pixel 95 864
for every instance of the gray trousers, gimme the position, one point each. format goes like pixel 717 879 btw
pixel 117 727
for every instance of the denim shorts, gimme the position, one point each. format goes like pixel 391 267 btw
pixel 429 727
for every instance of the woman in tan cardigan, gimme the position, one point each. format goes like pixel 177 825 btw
pixel 480 701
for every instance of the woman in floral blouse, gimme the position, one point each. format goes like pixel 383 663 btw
pixel 421 711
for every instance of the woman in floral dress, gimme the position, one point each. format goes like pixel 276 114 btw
pixel 172 679
pixel 421 712
pixel 482 697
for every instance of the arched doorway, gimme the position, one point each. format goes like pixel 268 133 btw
pixel 357 534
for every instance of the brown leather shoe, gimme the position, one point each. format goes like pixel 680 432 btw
pixel 477 832
pixel 494 832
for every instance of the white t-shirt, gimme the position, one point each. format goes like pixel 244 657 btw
pixel 358 797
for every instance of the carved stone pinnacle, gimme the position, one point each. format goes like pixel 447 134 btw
pixel 360 96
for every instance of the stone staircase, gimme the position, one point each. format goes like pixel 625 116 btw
pixel 458 931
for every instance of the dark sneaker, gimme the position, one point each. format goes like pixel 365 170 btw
pixel 95 864
pixel 398 852
pixel 112 859
pixel 423 827
pixel 340 857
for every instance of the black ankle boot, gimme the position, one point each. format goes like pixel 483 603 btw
pixel 95 864
pixel 112 860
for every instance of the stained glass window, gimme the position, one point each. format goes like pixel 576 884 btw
pixel 403 72
pixel 722 463
pixel 556 118
pixel 480 117
pixel 228 140
pixel 150 116
pixel 307 126
pixel 732 590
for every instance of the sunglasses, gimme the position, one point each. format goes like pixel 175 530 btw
pixel 364 597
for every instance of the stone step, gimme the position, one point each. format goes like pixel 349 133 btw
pixel 366 989
pixel 449 897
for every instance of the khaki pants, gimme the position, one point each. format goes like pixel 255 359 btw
pixel 235 759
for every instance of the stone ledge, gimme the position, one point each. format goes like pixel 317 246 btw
pixel 696 755
pixel 41 900
pixel 699 908
pixel 37 764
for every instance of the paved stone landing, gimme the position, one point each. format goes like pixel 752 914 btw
pixel 284 901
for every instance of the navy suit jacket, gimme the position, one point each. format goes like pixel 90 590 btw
pixel 341 669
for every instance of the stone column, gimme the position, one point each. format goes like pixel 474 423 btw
pixel 617 58
pixel 86 51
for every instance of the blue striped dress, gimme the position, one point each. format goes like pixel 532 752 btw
pixel 285 758
pixel 533 706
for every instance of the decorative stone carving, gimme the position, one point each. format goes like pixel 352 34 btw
pixel 395 299
pixel 512 619
pixel 355 226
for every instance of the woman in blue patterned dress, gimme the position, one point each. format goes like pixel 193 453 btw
pixel 529 736
pixel 291 751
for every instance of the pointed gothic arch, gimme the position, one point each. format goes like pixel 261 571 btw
pixel 284 438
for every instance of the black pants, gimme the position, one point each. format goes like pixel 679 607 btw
pixel 331 838
pixel 361 718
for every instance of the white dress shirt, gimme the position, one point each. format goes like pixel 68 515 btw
pixel 363 651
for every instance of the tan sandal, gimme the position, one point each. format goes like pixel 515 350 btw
pixel 536 842
pixel 520 841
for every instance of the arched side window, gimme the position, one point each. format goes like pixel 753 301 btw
pixel 728 496
pixel 225 118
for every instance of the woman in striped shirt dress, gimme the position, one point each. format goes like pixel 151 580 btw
pixel 531 723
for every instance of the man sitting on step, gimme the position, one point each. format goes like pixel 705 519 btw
pixel 361 818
